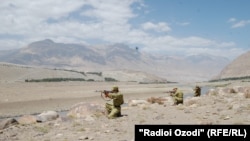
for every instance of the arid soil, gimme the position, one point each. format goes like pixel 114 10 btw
pixel 222 103
pixel 27 98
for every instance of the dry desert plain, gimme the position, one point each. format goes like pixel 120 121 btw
pixel 27 98
pixel 220 103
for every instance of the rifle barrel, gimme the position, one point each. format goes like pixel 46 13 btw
pixel 102 91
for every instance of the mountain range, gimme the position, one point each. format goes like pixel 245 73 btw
pixel 238 68
pixel 116 57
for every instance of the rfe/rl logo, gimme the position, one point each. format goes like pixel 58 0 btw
pixel 225 132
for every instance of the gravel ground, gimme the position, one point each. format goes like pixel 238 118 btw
pixel 30 98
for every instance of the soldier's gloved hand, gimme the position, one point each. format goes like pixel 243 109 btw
pixel 106 93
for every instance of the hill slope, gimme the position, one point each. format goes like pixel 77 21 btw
pixel 20 73
pixel 240 67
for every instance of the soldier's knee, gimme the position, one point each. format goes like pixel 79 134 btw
pixel 111 116
pixel 107 105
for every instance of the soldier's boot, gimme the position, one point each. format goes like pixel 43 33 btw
pixel 119 114
pixel 106 112
pixel 175 103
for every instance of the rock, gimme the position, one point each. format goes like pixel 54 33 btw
pixel 83 138
pixel 192 101
pixel 137 102
pixel 247 93
pixel 86 111
pixel 227 118
pixel 239 89
pixel 228 90
pixel 58 135
pixel 212 92
pixel 193 106
pixel 205 122
pixel 47 116
pixel 158 100
pixel 27 119
pixel 5 123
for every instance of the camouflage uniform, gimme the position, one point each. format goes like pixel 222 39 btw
pixel 197 91
pixel 114 110
pixel 178 97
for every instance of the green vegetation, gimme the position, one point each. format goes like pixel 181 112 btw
pixel 54 79
pixel 222 85
pixel 231 78
pixel 76 72
pixel 72 71
pixel 108 79
pixel 43 129
pixel 96 73
pixel 156 82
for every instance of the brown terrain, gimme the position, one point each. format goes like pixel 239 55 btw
pixel 73 110
pixel 239 67
pixel 80 110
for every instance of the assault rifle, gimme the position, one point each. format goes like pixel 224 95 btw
pixel 170 92
pixel 104 94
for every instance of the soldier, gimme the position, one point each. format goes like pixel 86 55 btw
pixel 197 91
pixel 177 96
pixel 114 110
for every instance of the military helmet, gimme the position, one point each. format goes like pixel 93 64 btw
pixel 115 88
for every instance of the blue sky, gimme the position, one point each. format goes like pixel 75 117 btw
pixel 170 27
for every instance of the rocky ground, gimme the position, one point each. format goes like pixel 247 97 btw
pixel 70 112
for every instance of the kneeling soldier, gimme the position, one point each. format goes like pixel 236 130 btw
pixel 114 110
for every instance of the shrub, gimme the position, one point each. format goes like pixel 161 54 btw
pixel 54 79
pixel 109 79
pixel 96 73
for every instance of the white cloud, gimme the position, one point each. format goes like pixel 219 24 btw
pixel 183 23
pixel 8 44
pixel 241 23
pixel 159 27
pixel 29 19
pixel 166 42
pixel 112 11
pixel 237 24
pixel 81 20
pixel 190 45
pixel 232 20
pixel 226 44
pixel 23 17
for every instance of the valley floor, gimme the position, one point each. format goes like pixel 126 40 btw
pixel 29 98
